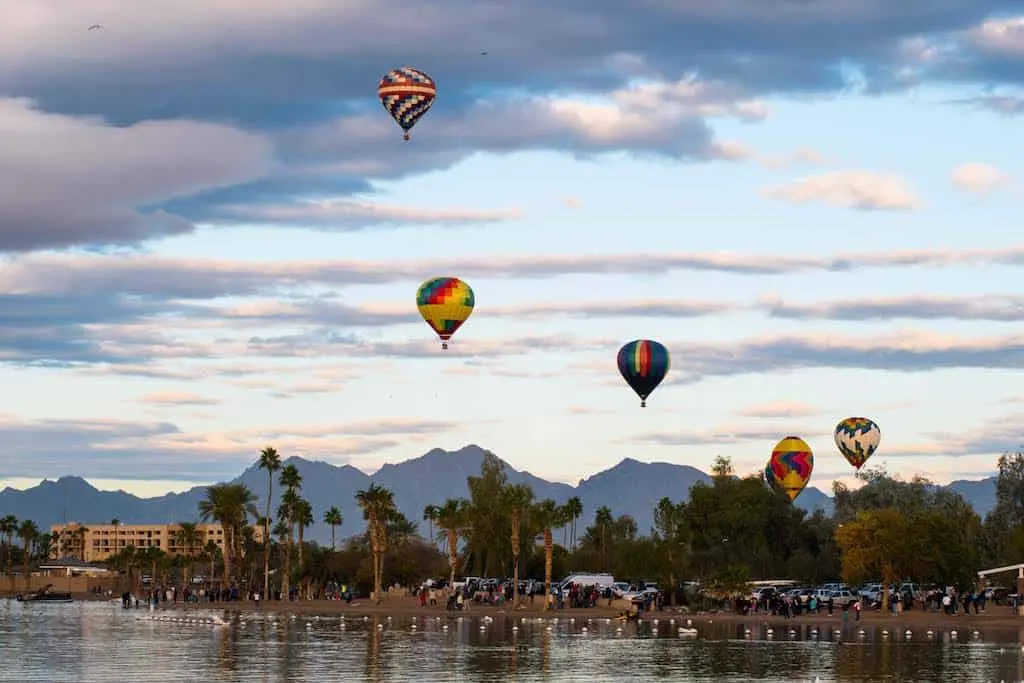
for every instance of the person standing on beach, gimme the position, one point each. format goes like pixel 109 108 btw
pixel 856 611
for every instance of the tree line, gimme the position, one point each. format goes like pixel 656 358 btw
pixel 729 531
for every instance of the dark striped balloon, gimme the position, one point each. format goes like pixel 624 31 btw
pixel 643 364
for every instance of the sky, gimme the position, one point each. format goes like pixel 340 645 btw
pixel 212 233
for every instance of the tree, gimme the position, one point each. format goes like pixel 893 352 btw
pixel 452 521
pixel 334 518
pixel 603 524
pixel 116 523
pixel 574 508
pixel 270 461
pixel 548 515
pixel 303 519
pixel 27 532
pixel 670 536
pixel 722 468
pixel 876 544
pixel 230 505
pixel 378 504
pixel 189 539
pixel 8 529
pixel 517 499
pixel 489 523
pixel 291 481
pixel 286 512
pixel 430 517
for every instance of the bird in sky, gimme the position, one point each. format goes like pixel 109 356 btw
pixel 96 27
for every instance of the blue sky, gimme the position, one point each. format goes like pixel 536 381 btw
pixel 213 235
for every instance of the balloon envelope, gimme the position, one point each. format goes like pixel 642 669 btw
pixel 643 364
pixel 789 469
pixel 407 94
pixel 445 303
pixel 857 439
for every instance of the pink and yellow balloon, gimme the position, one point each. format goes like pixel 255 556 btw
pixel 789 469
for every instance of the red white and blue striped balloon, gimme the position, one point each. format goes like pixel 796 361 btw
pixel 407 94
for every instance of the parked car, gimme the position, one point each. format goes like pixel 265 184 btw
pixel 843 599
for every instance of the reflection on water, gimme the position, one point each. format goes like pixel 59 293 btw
pixel 94 642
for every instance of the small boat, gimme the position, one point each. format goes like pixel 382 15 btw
pixel 45 595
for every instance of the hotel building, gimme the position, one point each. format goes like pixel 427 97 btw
pixel 97 542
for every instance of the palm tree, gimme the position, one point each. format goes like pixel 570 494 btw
pixel 430 517
pixel 517 500
pixel 286 512
pixel 78 542
pixel 230 505
pixel 303 520
pixel 603 521
pixel 9 527
pixel 451 520
pixel 334 518
pixel 211 553
pixel 291 481
pixel 378 505
pixel 116 523
pixel 189 538
pixel 668 533
pixel 271 462
pixel 574 507
pixel 548 515
pixel 27 532
pixel 153 557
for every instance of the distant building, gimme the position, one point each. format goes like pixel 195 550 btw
pixel 70 566
pixel 97 542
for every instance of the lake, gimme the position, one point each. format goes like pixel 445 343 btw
pixel 88 642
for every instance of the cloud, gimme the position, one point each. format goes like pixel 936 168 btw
pixel 992 307
pixel 978 178
pixel 177 398
pixel 572 202
pixel 996 436
pixel 351 215
pixel 73 310
pixel 68 181
pixel 1003 37
pixel 1008 105
pixel 801 157
pixel 581 80
pixel 329 49
pixel 861 190
pixel 120 449
pixel 364 428
pixel 993 437
pixel 777 409
pixel 908 351
pixel 143 276
pixel 722 435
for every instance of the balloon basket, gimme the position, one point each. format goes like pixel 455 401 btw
pixel 406 137
pixel 444 346
pixel 643 404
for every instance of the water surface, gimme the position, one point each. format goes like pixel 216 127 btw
pixel 97 642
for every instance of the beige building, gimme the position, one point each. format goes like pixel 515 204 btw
pixel 97 542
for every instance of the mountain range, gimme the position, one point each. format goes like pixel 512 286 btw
pixel 630 487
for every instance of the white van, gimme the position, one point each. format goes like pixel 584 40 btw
pixel 602 581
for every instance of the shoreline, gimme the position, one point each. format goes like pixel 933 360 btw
pixel 1000 617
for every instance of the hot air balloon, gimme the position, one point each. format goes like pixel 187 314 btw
pixel 857 439
pixel 789 469
pixel 445 303
pixel 407 94
pixel 643 364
